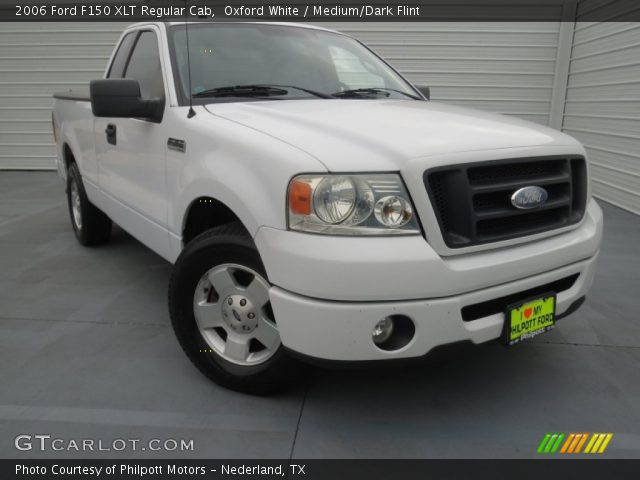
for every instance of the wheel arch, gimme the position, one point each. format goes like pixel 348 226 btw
pixel 68 156
pixel 214 199
pixel 204 213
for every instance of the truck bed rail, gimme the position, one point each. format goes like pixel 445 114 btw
pixel 81 95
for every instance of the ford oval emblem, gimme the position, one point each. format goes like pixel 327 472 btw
pixel 529 197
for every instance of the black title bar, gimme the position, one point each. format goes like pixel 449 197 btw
pixel 321 10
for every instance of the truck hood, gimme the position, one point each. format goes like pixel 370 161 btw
pixel 357 135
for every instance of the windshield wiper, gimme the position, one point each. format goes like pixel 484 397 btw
pixel 242 91
pixel 364 92
pixel 259 90
pixel 306 90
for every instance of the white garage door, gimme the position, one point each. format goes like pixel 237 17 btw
pixel 36 60
pixel 603 107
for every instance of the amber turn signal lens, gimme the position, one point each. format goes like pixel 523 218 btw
pixel 300 198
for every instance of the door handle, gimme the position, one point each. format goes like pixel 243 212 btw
pixel 111 133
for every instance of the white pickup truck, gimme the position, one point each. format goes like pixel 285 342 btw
pixel 317 205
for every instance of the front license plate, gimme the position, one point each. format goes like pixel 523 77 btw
pixel 528 319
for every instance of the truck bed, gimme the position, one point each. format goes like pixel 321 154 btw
pixel 77 95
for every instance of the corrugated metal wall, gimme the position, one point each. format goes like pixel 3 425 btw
pixel 602 107
pixel 37 59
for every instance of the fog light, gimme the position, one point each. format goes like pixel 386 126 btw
pixel 382 331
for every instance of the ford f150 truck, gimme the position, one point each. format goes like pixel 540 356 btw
pixel 317 205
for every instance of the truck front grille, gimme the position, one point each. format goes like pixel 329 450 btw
pixel 472 202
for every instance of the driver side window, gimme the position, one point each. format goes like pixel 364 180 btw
pixel 120 60
pixel 144 66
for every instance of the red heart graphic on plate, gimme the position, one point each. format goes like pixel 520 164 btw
pixel 527 312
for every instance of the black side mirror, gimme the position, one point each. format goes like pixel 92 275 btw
pixel 121 98
pixel 425 91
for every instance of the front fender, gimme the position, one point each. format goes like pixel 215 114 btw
pixel 246 170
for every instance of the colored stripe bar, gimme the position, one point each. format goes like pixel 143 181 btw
pixel 582 440
pixel 591 442
pixel 554 449
pixel 573 445
pixel 565 447
pixel 543 443
pixel 606 441
pixel 550 443
pixel 596 445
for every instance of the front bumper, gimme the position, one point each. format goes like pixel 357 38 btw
pixel 329 292
pixel 342 330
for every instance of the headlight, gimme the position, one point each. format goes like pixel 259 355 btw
pixel 371 204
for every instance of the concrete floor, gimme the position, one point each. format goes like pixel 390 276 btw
pixel 86 351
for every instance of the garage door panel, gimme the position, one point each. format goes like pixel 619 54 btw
pixel 25 101
pixel 41 87
pixel 516 94
pixel 55 76
pixel 590 31
pixel 437 35
pixel 79 28
pixel 60 36
pixel 498 51
pixel 602 108
pixel 621 161
pixel 617 176
pixel 473 67
pixel 612 91
pixel 477 81
pixel 614 194
pixel 626 144
pixel 616 125
pixel 596 106
pixel 608 58
pixel 442 27
pixel 32 114
pixel 82 62
pixel 614 36
pixel 27 162
pixel 51 51
pixel 24 137
pixel 37 60
pixel 628 72
pixel 47 149
pixel 42 126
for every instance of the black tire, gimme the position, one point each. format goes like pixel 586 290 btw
pixel 94 227
pixel 228 243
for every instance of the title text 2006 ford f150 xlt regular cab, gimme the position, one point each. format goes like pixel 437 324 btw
pixel 316 204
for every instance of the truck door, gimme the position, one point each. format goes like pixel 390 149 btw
pixel 131 152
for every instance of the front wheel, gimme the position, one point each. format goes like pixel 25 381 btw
pixel 222 316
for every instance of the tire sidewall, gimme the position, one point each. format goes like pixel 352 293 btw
pixel 189 269
pixel 73 176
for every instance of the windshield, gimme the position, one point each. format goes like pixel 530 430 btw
pixel 305 63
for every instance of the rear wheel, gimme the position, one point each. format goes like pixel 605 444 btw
pixel 222 316
pixel 90 225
